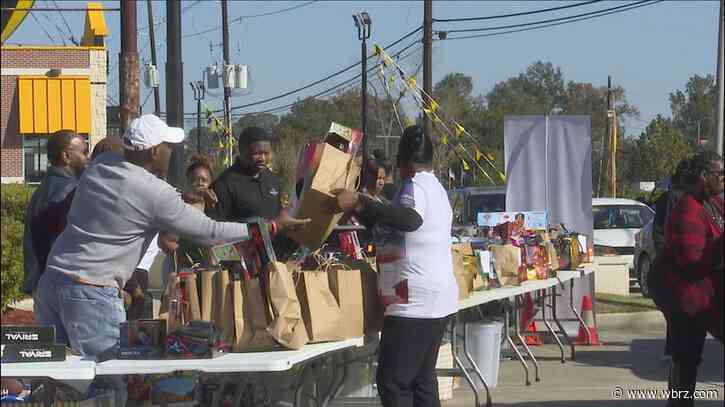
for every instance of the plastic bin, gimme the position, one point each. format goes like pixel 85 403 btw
pixel 484 343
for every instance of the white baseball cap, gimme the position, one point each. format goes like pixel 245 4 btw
pixel 149 131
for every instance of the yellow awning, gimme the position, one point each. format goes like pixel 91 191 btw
pixel 47 104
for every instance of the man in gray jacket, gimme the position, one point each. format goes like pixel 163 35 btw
pixel 120 204
pixel 68 156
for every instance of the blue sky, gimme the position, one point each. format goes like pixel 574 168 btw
pixel 650 51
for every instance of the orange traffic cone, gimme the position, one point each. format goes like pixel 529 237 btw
pixel 527 314
pixel 588 317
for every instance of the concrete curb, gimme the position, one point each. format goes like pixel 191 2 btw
pixel 634 321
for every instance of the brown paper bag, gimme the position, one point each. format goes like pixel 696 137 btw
pixel 336 169
pixel 192 295
pixel 465 257
pixel 373 309
pixel 346 286
pixel 257 317
pixel 223 308
pixel 459 272
pixel 288 328
pixel 319 307
pixel 239 323
pixel 172 314
pixel 206 293
pixel 507 259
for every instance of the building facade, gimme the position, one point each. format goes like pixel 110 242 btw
pixel 49 88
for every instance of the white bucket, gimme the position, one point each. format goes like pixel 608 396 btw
pixel 484 344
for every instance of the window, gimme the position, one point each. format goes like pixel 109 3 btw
pixel 621 216
pixel 35 157
pixel 35 154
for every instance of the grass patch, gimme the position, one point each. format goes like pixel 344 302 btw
pixel 612 303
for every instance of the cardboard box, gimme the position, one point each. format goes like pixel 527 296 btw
pixel 142 339
pixel 27 335
pixel 336 170
pixel 20 353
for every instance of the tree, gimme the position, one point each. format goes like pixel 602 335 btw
pixel 694 108
pixel 658 150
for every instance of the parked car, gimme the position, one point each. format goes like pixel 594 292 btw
pixel 616 221
pixel 467 203
pixel 644 255
pixel 644 242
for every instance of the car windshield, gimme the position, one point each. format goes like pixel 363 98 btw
pixel 621 216
pixel 485 203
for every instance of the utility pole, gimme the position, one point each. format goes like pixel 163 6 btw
pixel 717 138
pixel 604 138
pixel 128 64
pixel 199 91
pixel 152 38
pixel 614 153
pixel 363 23
pixel 174 87
pixel 427 62
pixel 227 76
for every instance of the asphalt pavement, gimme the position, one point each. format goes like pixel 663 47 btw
pixel 603 376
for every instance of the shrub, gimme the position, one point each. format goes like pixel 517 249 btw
pixel 13 202
pixel 11 264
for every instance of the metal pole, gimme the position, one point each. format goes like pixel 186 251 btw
pixel 174 87
pixel 128 64
pixel 364 95
pixel 427 61
pixel 604 137
pixel 152 38
pixel 227 89
pixel 717 142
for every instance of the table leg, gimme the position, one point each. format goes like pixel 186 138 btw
pixel 459 362
pixel 300 386
pixel 512 344
pixel 542 298
pixel 554 296
pixel 578 316
pixel 517 329
pixel 473 363
pixel 335 386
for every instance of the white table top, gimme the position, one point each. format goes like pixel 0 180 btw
pixel 481 297
pixel 275 361
pixel 73 368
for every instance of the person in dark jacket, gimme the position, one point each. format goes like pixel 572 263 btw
pixel 68 156
pixel 690 292
pixel 248 188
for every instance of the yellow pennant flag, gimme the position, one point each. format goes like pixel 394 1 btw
pixel 220 145
pixel 377 50
pixel 412 84
pixel 444 140
pixel 478 154
pixel 465 166
pixel 433 105
pixel 459 129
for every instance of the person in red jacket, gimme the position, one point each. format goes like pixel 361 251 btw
pixel 691 289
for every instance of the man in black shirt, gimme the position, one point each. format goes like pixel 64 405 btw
pixel 248 188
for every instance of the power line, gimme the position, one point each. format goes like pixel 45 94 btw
pixel 447 20
pixel 163 19
pixel 345 84
pixel 572 20
pixel 326 78
pixel 57 28
pixel 67 26
pixel 501 27
pixel 240 18
pixel 50 37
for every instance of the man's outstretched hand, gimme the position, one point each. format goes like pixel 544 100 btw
pixel 286 222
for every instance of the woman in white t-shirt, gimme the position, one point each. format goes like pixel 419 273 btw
pixel 413 250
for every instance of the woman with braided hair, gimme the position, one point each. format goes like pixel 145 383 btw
pixel 690 290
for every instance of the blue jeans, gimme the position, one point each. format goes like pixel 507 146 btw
pixel 87 317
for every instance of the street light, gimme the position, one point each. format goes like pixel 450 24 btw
pixel 199 92
pixel 363 23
